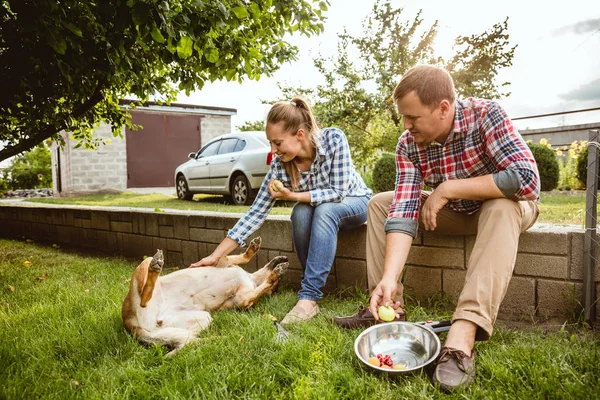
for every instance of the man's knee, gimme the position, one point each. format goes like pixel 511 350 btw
pixel 501 209
pixel 381 201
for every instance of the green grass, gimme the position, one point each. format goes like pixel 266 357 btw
pixel 61 337
pixel 561 208
pixel 157 200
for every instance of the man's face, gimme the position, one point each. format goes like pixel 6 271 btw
pixel 425 124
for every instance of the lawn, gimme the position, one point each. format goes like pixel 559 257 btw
pixel 61 337
pixel 561 208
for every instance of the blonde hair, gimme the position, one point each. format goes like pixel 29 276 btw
pixel 295 114
pixel 432 84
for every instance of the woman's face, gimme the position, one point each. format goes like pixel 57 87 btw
pixel 285 145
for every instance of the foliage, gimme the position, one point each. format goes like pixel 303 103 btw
pixel 567 162
pixel 257 125
pixel 547 164
pixel 65 64
pixel 31 169
pixel 582 164
pixel 384 173
pixel 357 95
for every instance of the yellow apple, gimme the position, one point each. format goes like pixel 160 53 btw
pixel 275 185
pixel 386 313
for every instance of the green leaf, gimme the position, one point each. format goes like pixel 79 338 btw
pixel 185 47
pixel 211 55
pixel 323 6
pixel 240 12
pixel 156 35
pixel 72 28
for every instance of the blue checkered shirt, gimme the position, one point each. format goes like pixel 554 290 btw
pixel 331 178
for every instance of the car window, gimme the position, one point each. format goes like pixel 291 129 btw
pixel 210 150
pixel 241 145
pixel 228 146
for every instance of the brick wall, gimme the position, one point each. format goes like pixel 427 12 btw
pixel 215 125
pixel 87 171
pixel 547 280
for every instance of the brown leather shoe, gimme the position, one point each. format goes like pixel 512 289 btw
pixel 364 318
pixel 453 369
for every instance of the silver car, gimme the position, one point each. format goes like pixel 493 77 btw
pixel 234 164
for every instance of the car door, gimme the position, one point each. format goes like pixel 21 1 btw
pixel 222 164
pixel 199 171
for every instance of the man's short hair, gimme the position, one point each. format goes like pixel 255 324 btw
pixel 432 84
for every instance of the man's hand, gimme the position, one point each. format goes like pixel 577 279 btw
pixel 434 203
pixel 207 261
pixel 382 295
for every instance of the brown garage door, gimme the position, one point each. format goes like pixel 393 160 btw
pixel 164 142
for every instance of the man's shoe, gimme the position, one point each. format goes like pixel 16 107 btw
pixel 364 318
pixel 454 369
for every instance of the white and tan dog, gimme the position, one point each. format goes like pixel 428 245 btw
pixel 172 309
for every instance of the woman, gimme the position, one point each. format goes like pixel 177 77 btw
pixel 314 168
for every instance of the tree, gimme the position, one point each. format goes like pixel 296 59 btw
pixel 357 93
pixel 257 125
pixel 65 64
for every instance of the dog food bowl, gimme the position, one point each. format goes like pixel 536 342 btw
pixel 413 346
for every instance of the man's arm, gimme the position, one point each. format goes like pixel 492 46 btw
pixel 397 246
pixel 477 188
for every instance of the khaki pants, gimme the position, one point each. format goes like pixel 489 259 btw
pixel 498 224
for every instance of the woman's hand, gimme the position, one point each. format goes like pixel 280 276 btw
pixel 282 193
pixel 207 261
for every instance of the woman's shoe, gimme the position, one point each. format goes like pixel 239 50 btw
pixel 297 314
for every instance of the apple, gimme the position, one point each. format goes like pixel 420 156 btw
pixel 386 313
pixel 374 361
pixel 275 185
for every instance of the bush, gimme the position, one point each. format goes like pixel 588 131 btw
pixel 582 165
pixel 384 173
pixel 31 169
pixel 547 165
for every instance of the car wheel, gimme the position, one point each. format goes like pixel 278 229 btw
pixel 241 192
pixel 183 193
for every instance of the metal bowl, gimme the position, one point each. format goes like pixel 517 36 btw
pixel 412 345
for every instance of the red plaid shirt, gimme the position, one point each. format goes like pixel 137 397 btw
pixel 483 142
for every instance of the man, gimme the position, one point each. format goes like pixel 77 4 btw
pixel 485 182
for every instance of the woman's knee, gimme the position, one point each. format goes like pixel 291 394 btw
pixel 301 212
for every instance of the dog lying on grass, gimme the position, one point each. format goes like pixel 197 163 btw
pixel 171 310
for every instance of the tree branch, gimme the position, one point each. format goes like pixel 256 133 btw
pixel 49 131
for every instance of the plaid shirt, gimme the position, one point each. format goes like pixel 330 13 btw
pixel 331 178
pixel 483 142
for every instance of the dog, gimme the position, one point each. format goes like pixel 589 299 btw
pixel 171 310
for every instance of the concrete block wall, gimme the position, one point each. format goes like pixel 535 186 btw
pixel 546 284
pixel 213 126
pixel 87 171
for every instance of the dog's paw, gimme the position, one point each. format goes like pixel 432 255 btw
pixel 157 261
pixel 255 244
pixel 281 268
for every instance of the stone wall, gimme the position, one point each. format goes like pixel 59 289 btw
pixel 547 281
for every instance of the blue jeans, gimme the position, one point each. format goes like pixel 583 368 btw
pixel 315 234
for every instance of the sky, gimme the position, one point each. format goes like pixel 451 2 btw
pixel 556 66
